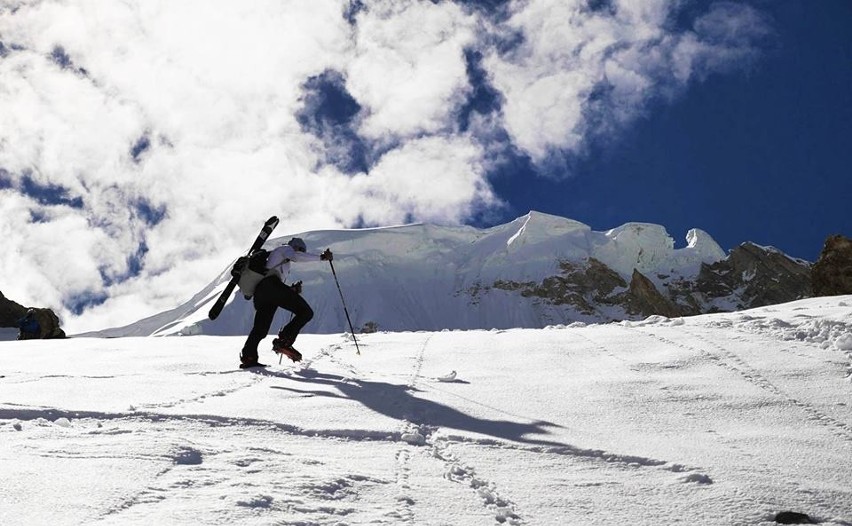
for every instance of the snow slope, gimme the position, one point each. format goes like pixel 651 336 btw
pixel 429 277
pixel 717 419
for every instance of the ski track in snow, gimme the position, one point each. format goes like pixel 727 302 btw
pixel 503 509
pixel 773 333
pixel 409 434
pixel 729 360
pixel 199 398
pixel 417 438
pixel 259 374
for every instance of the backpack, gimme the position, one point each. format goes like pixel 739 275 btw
pixel 29 327
pixel 250 270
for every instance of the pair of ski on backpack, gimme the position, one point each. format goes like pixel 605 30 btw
pixel 256 249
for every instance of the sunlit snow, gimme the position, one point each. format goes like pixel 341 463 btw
pixel 717 419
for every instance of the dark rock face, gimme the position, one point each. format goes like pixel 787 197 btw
pixel 644 299
pixel 11 312
pixel 582 286
pixel 49 323
pixel 832 273
pixel 751 276
pixel 755 276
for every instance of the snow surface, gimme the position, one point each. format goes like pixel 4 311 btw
pixel 711 420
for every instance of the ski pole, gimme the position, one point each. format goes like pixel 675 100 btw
pixel 357 349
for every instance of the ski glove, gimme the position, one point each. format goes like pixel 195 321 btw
pixel 327 255
pixel 297 287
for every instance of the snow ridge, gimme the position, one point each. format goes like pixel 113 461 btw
pixel 429 277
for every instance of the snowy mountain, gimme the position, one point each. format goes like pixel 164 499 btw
pixel 709 420
pixel 535 271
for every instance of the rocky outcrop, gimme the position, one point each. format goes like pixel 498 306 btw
pixel 750 276
pixel 643 298
pixel 11 312
pixel 754 276
pixel 583 286
pixel 832 273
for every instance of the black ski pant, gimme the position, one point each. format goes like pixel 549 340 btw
pixel 269 295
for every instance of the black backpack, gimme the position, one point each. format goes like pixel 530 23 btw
pixel 251 270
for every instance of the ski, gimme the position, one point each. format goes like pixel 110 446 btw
pixel 267 229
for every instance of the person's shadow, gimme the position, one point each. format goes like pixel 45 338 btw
pixel 399 402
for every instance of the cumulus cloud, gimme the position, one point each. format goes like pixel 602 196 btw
pixel 450 183
pixel 580 72
pixel 408 68
pixel 143 142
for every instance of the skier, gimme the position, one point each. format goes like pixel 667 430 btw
pixel 271 293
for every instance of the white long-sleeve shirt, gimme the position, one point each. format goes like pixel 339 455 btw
pixel 279 260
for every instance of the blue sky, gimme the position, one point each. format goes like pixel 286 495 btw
pixel 143 142
pixel 762 155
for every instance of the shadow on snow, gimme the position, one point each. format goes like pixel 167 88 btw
pixel 400 403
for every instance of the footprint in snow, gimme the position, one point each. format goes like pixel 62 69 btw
pixel 414 438
pixel 697 478
pixel 261 501
pixel 188 456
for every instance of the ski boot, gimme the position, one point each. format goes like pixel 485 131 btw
pixel 281 346
pixel 249 360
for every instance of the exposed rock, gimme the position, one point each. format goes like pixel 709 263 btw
pixel 644 299
pixel 49 323
pixel 582 286
pixel 832 273
pixel 751 276
pixel 10 312
pixel 755 276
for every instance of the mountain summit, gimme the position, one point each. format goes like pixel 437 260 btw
pixel 535 271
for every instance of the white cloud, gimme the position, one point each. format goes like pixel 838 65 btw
pixel 143 142
pixel 408 68
pixel 434 179
pixel 45 259
pixel 580 72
